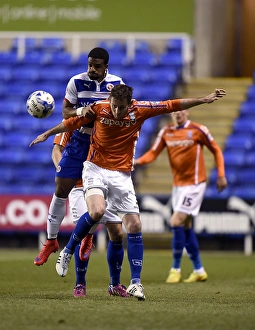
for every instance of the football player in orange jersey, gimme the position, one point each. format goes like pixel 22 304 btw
pixel 107 171
pixel 184 142
pixel 83 89
pixel 115 252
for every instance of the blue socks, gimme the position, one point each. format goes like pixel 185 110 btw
pixel 80 231
pixel 135 256
pixel 115 255
pixel 185 238
pixel 80 267
pixel 193 248
pixel 178 243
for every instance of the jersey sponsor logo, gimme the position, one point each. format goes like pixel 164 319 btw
pixel 109 87
pixel 120 123
pixel 180 143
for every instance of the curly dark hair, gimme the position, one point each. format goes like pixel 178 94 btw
pixel 99 52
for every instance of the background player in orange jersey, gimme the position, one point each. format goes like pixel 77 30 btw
pixel 184 142
pixel 107 171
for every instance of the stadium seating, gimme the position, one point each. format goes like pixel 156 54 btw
pixel 47 65
pixel 239 153
pixel 30 44
pixel 52 44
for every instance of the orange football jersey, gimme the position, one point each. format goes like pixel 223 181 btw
pixel 113 141
pixel 185 151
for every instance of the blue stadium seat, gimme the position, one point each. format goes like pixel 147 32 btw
pixel 112 46
pixel 82 60
pixel 6 174
pixel 55 88
pixel 171 60
pixel 6 124
pixel 12 155
pixel 142 46
pixel 30 44
pixel 53 73
pixel 117 59
pixel 20 189
pixel 165 74
pixel 247 106
pixel 247 177
pixel 243 125
pixel 34 57
pixel 29 174
pixel 157 91
pixel 174 45
pixel 231 175
pixel 75 69
pixel 13 139
pixel 239 142
pixel 234 158
pixel 20 90
pixel 212 192
pixel 53 44
pixel 244 191
pixel 247 110
pixel 8 58
pixel 150 125
pixel 36 156
pixel 142 145
pixel 13 105
pixel 146 59
pixel 26 73
pixel 25 123
pixel 134 74
pixel 250 94
pixel 5 72
pixel 61 58
pixel 250 159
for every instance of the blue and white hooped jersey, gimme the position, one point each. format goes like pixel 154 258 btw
pixel 82 91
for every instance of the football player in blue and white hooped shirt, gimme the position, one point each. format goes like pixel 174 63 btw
pixel 83 89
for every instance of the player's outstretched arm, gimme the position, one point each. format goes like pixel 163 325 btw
pixel 192 102
pixel 44 136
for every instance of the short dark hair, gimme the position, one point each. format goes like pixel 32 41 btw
pixel 121 92
pixel 99 52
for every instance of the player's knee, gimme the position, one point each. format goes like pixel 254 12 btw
pixel 178 219
pixel 61 192
pixel 96 203
pixel 133 225
pixel 115 232
pixel 96 214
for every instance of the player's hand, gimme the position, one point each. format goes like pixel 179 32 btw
pixel 217 94
pixel 221 184
pixel 88 112
pixel 40 138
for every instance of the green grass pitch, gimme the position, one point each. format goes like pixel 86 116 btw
pixel 36 298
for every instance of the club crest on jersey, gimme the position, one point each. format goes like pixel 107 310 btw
pixel 189 134
pixel 109 87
